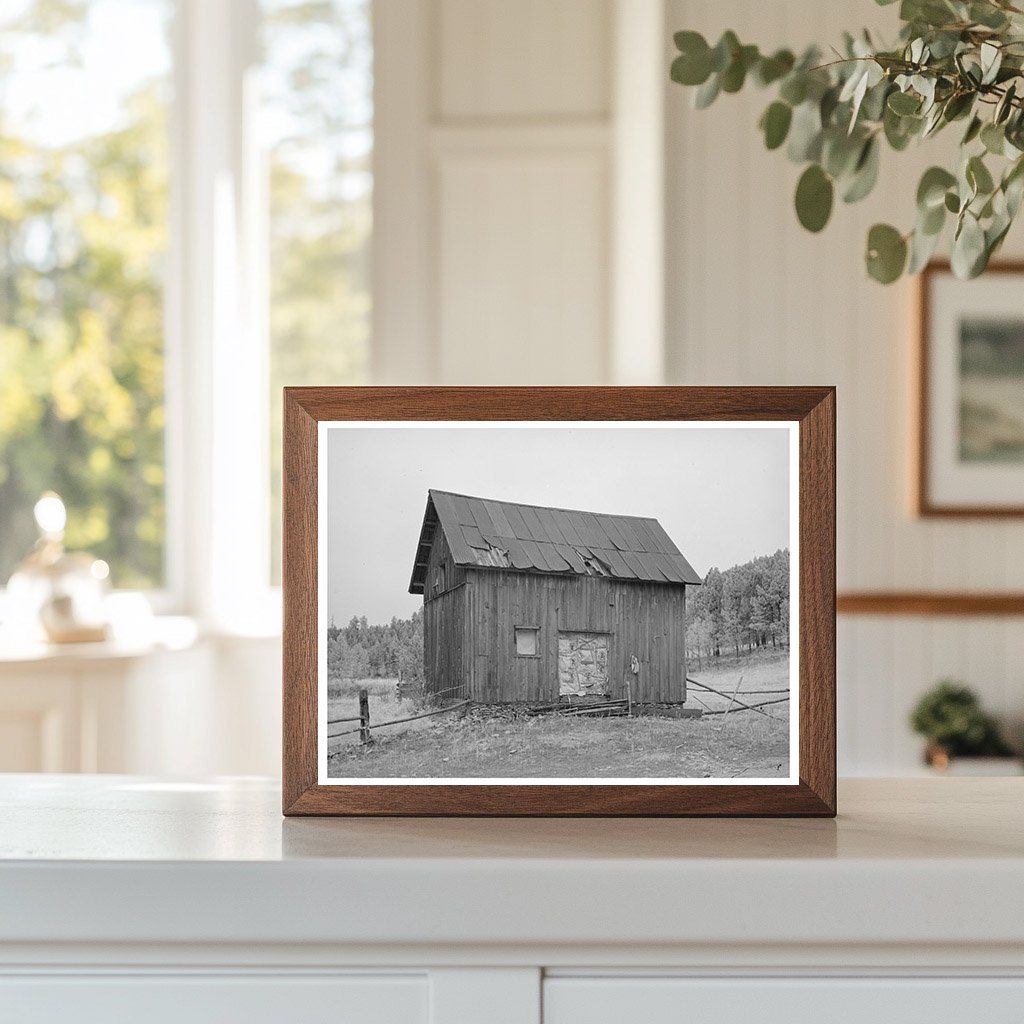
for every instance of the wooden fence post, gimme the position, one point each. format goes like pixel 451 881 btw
pixel 364 716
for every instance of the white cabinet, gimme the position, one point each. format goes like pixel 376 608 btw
pixel 824 1000
pixel 202 999
pixel 131 899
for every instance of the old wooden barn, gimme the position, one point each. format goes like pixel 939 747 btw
pixel 526 603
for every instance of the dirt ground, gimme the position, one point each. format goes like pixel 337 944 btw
pixel 478 745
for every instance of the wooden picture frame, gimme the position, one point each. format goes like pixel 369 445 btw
pixel 939 489
pixel 811 410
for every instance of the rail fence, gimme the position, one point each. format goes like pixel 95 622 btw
pixel 363 718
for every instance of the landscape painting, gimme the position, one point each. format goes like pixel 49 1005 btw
pixel 553 602
pixel 991 389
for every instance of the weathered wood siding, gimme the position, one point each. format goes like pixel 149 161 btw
pixel 444 624
pixel 645 620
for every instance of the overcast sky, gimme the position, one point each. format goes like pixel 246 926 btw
pixel 722 495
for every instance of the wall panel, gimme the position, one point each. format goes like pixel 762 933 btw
pixel 754 299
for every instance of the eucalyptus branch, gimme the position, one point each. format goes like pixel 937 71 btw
pixel 954 60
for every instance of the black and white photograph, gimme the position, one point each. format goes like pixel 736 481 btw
pixel 557 602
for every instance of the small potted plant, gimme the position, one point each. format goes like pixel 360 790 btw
pixel 950 717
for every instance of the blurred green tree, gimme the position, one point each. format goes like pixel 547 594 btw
pixel 83 219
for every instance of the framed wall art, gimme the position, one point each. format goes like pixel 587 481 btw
pixel 970 444
pixel 559 601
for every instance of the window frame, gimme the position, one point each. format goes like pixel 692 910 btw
pixel 215 318
pixel 515 640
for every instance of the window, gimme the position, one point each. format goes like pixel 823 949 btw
pixel 185 223
pixel 439 580
pixel 83 239
pixel 527 641
pixel 317 122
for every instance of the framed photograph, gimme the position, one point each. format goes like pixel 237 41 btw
pixel 559 601
pixel 970 450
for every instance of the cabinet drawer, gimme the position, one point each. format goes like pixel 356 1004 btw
pixel 205 999
pixel 660 1000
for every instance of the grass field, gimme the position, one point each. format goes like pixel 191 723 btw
pixel 479 745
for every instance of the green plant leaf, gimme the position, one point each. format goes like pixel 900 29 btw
pixel 707 93
pixel 991 57
pixel 978 176
pixel 814 195
pixel 1005 105
pixel 922 247
pixel 904 103
pixel 993 138
pixel 775 124
pixel 725 49
pixel 886 254
pixel 968 256
pixel 865 174
pixel 693 65
pixel 931 191
pixel 900 130
pixel 952 202
pixel 805 133
pixel 735 74
pixel 958 106
pixel 973 130
pixel 771 69
pixel 840 152
pixel 794 88
pixel 987 15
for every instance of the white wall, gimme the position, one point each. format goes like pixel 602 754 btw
pixel 519 207
pixel 502 132
pixel 754 299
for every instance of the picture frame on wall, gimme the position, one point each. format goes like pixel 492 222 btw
pixel 559 601
pixel 970 418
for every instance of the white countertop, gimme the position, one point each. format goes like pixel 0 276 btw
pixel 121 859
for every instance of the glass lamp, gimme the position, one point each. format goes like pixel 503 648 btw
pixel 54 594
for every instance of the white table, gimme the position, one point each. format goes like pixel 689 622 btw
pixel 125 898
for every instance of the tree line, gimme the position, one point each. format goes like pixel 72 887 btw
pixel 364 651
pixel 740 609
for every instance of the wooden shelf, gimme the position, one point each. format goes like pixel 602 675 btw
pixel 929 603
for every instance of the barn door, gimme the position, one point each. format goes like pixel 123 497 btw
pixel 582 664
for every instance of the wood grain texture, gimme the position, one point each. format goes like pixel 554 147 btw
pixel 925 603
pixel 812 407
pixel 923 503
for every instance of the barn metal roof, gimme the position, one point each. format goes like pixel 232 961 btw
pixel 533 538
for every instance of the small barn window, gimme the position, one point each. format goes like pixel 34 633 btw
pixel 439 579
pixel 527 641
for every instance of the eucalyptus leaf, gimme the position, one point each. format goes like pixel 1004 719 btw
pixel 794 88
pixel 993 138
pixel 955 60
pixel 991 60
pixel 886 253
pixel 771 69
pixel 865 174
pixel 724 51
pixel 904 103
pixel 1005 105
pixel 978 176
pixel 707 93
pixel 968 248
pixel 931 190
pixel 987 15
pixel 814 196
pixel 775 124
pixel 922 247
pixel 735 74
pixel 805 133
pixel 973 130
